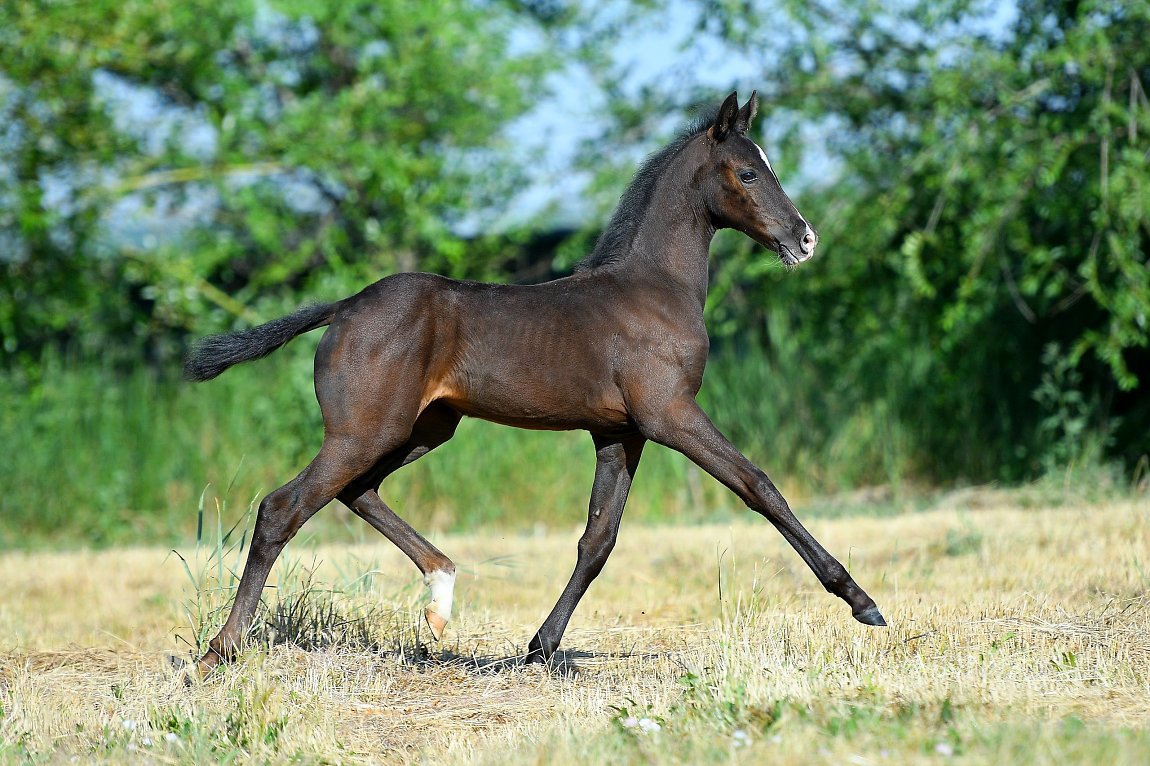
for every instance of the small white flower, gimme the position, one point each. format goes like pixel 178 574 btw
pixel 944 748
pixel 171 737
pixel 649 726
pixel 129 724
pixel 630 722
pixel 740 738
pixel 146 741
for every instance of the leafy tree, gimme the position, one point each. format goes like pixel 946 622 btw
pixel 978 178
pixel 985 269
pixel 163 159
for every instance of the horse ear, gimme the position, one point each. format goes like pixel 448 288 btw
pixel 747 113
pixel 725 122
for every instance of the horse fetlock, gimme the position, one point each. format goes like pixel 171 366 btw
pixel 212 658
pixel 863 607
pixel 841 584
pixel 438 612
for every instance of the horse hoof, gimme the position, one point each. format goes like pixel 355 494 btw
pixel 436 623
pixel 195 673
pixel 872 617
pixel 182 669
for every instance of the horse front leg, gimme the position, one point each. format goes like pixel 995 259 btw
pixel 683 426
pixel 615 464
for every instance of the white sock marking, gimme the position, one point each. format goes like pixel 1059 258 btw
pixel 442 586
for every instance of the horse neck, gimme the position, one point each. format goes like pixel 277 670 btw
pixel 673 241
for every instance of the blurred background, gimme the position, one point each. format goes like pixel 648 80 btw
pixel 978 313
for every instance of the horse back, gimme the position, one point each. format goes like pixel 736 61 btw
pixel 533 356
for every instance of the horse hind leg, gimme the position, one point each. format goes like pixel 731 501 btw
pixel 434 427
pixel 280 516
pixel 616 461
pixel 438 570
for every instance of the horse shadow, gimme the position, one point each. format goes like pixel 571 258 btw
pixel 565 663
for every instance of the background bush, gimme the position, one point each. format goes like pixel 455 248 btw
pixel 977 172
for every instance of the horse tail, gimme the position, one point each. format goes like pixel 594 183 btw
pixel 216 353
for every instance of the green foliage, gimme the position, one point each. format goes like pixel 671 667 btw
pixel 990 203
pixel 1064 429
pixel 142 452
pixel 277 148
pixel 978 309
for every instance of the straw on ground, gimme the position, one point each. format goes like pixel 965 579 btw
pixel 1017 635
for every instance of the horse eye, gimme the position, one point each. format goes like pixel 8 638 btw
pixel 748 176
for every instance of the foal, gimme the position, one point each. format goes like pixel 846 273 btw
pixel 617 349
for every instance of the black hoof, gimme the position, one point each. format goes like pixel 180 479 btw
pixel 871 616
pixel 540 651
pixel 535 655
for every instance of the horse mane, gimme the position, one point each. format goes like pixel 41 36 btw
pixel 615 241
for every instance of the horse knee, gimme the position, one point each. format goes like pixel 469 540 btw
pixel 765 498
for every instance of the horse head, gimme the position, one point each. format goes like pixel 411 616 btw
pixel 742 191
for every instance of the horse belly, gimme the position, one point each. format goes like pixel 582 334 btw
pixel 540 391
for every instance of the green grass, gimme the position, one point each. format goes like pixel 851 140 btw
pixel 870 731
pixel 101 456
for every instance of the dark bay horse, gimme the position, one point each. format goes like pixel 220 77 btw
pixel 616 349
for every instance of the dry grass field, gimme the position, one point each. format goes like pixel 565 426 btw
pixel 1017 635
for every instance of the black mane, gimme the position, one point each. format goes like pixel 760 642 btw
pixel 616 239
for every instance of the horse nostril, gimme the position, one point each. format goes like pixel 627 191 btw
pixel 809 241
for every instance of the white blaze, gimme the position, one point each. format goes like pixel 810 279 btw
pixel 442 586
pixel 764 156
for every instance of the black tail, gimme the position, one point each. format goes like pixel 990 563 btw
pixel 216 353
